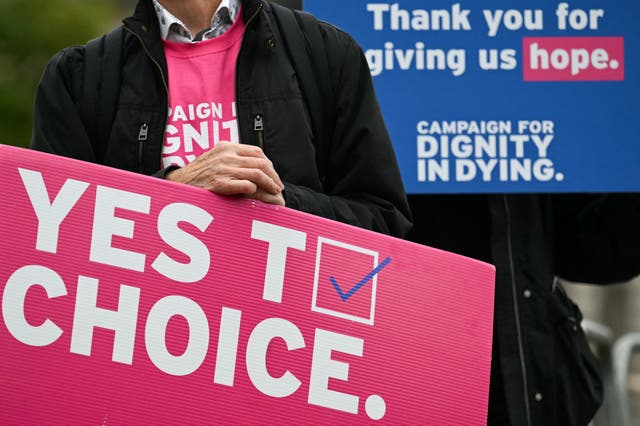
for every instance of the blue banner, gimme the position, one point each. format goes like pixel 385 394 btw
pixel 496 96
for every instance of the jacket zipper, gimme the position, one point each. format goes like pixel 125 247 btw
pixel 142 140
pixel 258 128
pixel 514 294
pixel 260 134
pixel 142 137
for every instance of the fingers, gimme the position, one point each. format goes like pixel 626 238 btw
pixel 269 198
pixel 251 157
pixel 244 163
pixel 231 168
pixel 257 170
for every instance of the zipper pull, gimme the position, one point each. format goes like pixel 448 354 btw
pixel 144 130
pixel 258 127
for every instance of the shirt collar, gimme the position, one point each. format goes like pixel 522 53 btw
pixel 172 29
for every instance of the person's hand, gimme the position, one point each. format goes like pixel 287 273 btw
pixel 233 169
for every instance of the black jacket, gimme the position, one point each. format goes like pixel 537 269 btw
pixel 361 185
pixel 541 360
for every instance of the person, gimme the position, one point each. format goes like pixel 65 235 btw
pixel 208 97
pixel 542 371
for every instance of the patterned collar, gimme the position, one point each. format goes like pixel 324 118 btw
pixel 172 29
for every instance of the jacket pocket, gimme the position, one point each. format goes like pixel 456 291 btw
pixel 136 141
pixel 577 370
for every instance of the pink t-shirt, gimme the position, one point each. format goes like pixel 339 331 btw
pixel 202 108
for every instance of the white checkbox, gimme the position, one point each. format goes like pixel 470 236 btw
pixel 365 314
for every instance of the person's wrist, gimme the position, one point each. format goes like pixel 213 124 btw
pixel 168 171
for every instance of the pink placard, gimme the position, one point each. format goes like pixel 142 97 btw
pixel 127 299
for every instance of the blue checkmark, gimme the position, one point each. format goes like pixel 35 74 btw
pixel 362 282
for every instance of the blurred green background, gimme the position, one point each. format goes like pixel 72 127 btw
pixel 31 31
